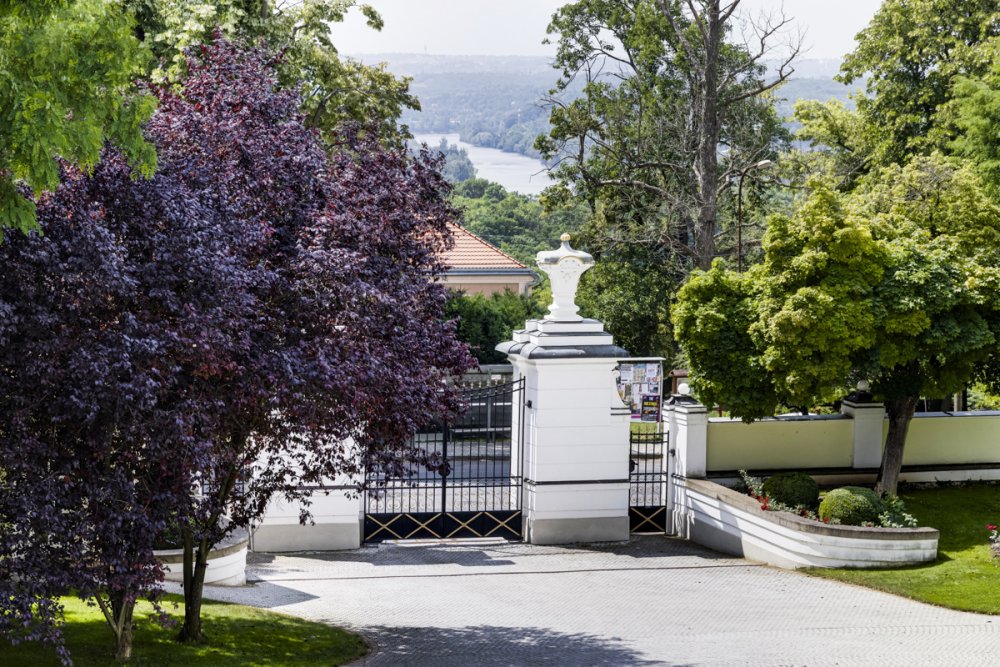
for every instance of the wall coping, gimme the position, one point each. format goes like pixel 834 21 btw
pixel 236 541
pixel 747 504
pixel 780 419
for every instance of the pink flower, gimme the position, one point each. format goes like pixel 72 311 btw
pixel 991 526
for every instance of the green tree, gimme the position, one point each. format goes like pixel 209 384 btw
pixel 457 165
pixel 486 321
pixel 911 54
pixel 334 89
pixel 515 223
pixel 666 83
pixel 630 291
pixel 976 112
pixel 897 283
pixel 67 72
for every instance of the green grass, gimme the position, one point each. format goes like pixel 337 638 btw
pixel 965 575
pixel 234 635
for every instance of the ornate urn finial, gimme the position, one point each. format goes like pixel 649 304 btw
pixel 564 268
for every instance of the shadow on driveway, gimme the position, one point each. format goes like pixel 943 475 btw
pixel 493 645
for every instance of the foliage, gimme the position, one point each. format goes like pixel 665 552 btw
pixel 895 514
pixel 515 223
pixel 911 54
pixel 753 486
pixel 486 321
pixel 980 398
pixel 964 574
pixel 342 340
pixel 240 636
pixel 128 281
pixel 233 320
pixel 334 89
pixel 792 488
pixel 819 265
pixel 631 293
pixel 895 282
pixel 976 109
pixel 665 83
pixel 66 86
pixel 457 165
pixel 851 506
pixel 712 319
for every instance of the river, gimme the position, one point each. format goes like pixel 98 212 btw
pixel 513 171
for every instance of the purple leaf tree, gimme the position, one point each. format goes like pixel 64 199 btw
pixel 175 352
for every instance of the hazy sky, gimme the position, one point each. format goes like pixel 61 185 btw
pixel 505 27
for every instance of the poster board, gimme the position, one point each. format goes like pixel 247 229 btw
pixel 640 386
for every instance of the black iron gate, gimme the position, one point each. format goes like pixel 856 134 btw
pixel 476 493
pixel 648 480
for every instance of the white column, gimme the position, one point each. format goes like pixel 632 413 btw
pixel 576 477
pixel 867 429
pixel 690 426
pixel 689 440
pixel 576 435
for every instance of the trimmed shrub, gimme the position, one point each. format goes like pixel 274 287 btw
pixel 851 506
pixel 794 489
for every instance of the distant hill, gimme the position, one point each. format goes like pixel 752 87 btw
pixel 494 101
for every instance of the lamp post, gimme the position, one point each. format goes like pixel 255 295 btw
pixel 739 210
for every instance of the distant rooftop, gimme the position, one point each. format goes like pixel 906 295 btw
pixel 471 254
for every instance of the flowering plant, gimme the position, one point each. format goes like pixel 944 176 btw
pixel 994 538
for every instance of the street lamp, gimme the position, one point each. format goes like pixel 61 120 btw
pixel 739 210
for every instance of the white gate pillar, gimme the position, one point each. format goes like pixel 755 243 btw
pixel 689 440
pixel 576 436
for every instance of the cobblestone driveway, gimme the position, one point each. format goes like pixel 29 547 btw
pixel 653 601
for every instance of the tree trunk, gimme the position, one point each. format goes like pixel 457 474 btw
pixel 900 415
pixel 195 564
pixel 707 161
pixel 196 559
pixel 123 650
pixel 118 612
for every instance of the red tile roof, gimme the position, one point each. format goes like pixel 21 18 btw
pixel 472 252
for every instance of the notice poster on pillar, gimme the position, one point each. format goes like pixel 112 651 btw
pixel 639 382
pixel 650 408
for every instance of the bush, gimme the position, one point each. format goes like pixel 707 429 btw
pixel 795 489
pixel 851 506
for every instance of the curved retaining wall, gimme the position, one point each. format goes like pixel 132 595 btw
pixel 227 563
pixel 731 522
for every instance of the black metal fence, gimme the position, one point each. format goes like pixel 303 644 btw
pixel 648 481
pixel 476 493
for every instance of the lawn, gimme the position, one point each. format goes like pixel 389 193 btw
pixel 965 575
pixel 235 635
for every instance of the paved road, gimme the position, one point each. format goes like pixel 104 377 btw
pixel 653 601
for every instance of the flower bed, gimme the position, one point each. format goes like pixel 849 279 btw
pixel 227 562
pixel 735 523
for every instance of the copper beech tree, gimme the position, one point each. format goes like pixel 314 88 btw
pixel 258 316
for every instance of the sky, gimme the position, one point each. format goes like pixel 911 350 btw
pixel 517 27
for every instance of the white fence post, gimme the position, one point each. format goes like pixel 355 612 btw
pixel 867 431
pixel 689 440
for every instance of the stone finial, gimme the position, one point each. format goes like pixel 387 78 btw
pixel 564 267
